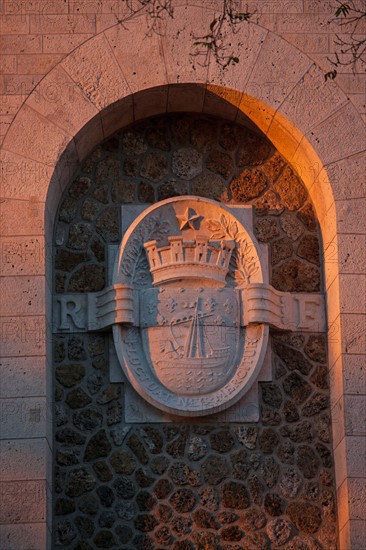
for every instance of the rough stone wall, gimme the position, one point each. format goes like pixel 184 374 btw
pixel 190 485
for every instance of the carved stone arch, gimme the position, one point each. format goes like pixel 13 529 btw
pixel 311 123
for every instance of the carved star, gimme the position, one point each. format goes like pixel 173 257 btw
pixel 187 220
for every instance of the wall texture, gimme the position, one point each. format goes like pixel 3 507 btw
pixel 70 77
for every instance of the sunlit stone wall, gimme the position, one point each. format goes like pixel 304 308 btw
pixel 190 484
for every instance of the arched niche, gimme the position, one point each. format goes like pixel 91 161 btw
pixel 310 122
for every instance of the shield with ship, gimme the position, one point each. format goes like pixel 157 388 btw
pixel 191 338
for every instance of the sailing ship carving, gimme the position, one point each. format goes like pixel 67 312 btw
pixel 195 365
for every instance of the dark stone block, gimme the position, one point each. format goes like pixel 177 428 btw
pixel 104 539
pixel 306 516
pixel 124 487
pixel 145 501
pixel 102 470
pixel 183 500
pixel 298 433
pixel 87 419
pixel 296 276
pixel 235 495
pixel 253 150
pixel 145 522
pixel 64 506
pixel 297 387
pixel 106 495
pixel 138 449
pixel 69 375
pixel 232 533
pixel 222 441
pixel 80 482
pixel 69 437
pixel 215 469
pixel 274 504
pixel 163 488
pixel 204 519
pixel 98 446
pixel 88 278
pixel 85 526
pixel 307 461
pixel 123 462
pixel 293 359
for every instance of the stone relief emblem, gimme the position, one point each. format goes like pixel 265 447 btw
pixel 190 307
pixel 189 353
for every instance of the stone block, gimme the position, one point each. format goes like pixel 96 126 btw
pixel 150 102
pixel 353 535
pixel 50 138
pixel 40 63
pixel 131 50
pixel 25 459
pixel 355 414
pixel 312 100
pixel 284 136
pixel 22 175
pixel 350 131
pixel 185 97
pixel 248 43
pixel 346 294
pixel 24 416
pixel 356 456
pixel 22 295
pixel 117 116
pixel 351 215
pixel 257 111
pixel 352 253
pixel 353 328
pixel 60 100
pixel 267 75
pixel 308 43
pixel 94 68
pixel 63 43
pixel 8 64
pixel 353 374
pixel 338 421
pixel 22 376
pixel 9 104
pixel 43 23
pixel 23 501
pixel 22 256
pixel 90 135
pixel 221 102
pixel 178 65
pixel 14 24
pixel 23 535
pixel 23 336
pixel 344 171
pixel 14 44
pixel 357 498
pixel 29 211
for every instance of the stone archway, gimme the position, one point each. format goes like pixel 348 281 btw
pixel 301 118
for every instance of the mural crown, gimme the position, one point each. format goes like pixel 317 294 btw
pixel 201 258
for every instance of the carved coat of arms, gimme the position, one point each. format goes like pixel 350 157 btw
pixel 190 306
pixel 187 260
